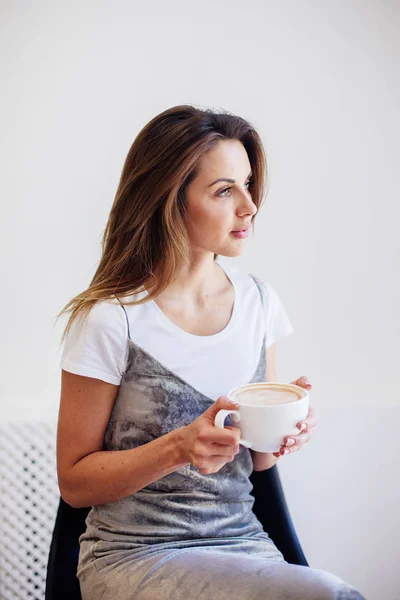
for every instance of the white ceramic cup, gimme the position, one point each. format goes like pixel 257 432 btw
pixel 267 413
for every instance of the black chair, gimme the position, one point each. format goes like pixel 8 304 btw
pixel 269 506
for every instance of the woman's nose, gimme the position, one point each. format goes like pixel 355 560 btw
pixel 247 206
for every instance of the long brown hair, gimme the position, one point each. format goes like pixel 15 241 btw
pixel 146 230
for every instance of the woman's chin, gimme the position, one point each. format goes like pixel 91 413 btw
pixel 231 251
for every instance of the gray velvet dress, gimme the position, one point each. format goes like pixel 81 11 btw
pixel 188 535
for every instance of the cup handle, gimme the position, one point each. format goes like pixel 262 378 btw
pixel 220 419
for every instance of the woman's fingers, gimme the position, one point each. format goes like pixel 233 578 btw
pixel 309 422
pixel 295 442
pixel 303 382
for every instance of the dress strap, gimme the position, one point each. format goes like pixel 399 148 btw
pixel 257 282
pixel 126 317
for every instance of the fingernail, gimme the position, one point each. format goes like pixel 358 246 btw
pixel 290 442
pixel 233 401
pixel 286 451
pixel 302 426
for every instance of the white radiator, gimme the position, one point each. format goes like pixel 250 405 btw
pixel 29 499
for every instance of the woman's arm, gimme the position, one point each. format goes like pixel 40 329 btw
pixel 88 475
pixel 266 460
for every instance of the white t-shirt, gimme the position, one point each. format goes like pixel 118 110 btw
pixel 212 364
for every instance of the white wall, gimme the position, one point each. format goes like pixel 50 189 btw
pixel 320 81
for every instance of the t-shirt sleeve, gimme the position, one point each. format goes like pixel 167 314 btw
pixel 277 322
pixel 96 346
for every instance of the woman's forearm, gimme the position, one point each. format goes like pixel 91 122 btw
pixel 108 476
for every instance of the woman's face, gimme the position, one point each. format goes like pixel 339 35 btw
pixel 219 213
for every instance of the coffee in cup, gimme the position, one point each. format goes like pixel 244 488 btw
pixel 267 413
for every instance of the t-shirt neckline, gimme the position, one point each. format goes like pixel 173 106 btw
pixel 192 337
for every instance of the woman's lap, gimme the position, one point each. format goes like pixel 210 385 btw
pixel 204 573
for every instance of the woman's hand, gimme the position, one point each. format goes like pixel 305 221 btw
pixel 292 443
pixel 206 447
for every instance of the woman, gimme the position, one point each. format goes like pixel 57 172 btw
pixel 152 347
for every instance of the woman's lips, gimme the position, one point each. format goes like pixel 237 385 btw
pixel 240 233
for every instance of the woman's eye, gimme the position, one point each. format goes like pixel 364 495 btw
pixel 222 192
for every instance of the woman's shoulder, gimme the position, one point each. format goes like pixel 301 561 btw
pixel 105 319
pixel 96 343
pixel 249 280
pixel 106 310
pixel 103 313
pixel 277 322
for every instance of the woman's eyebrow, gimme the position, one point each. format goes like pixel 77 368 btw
pixel 228 180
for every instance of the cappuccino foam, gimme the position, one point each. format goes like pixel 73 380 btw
pixel 267 396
